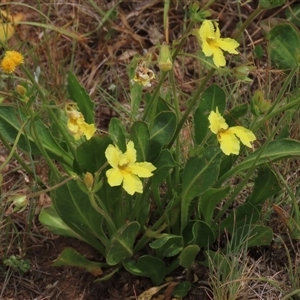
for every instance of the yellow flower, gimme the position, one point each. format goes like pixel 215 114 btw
pixel 126 170
pixel 213 44
pixel 143 75
pixel 76 124
pixel 16 56
pixel 229 137
pixel 8 65
pixel 11 60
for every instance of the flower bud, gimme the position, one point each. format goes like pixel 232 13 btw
pixel 88 180
pixel 19 203
pixel 21 90
pixel 259 105
pixel 241 73
pixel 165 59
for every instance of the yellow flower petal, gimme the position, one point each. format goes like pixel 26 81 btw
pixel 213 44
pixel 143 170
pixel 229 138
pixel 87 129
pixel 126 169
pixel 16 56
pixel 8 65
pixel 229 143
pixel 217 122
pixel 114 177
pixel 72 126
pixel 207 30
pixel 112 155
pixel 7 30
pixel 245 135
pixel 132 184
pixel 228 45
pixel 130 153
pixel 218 57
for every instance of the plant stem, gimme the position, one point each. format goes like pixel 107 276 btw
pixel 153 104
pixel 248 174
pixel 191 105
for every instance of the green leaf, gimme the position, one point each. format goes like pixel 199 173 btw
pixel 136 97
pixel 117 133
pixel 209 200
pixel 182 289
pixel 11 121
pixel 199 174
pixel 268 4
pixel 140 136
pixel 168 245
pixel 188 255
pixel 266 185
pixel 243 215
pixel 284 46
pixel 70 257
pixel 79 95
pixel 292 13
pixel 235 113
pixel 107 276
pixel 147 266
pixel 252 235
pixel 74 208
pixel 91 154
pixel 161 133
pixel 51 220
pixel 164 164
pixel 120 246
pixel 198 233
pixel 211 98
pixel 274 151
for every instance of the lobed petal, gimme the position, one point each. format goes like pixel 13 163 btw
pixel 72 126
pixel 114 177
pixel 245 135
pixel 207 30
pixel 217 122
pixel 132 184
pixel 229 143
pixel 207 48
pixel 130 153
pixel 113 155
pixel 218 56
pixel 87 129
pixel 143 169
pixel 228 45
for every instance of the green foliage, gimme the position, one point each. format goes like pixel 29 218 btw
pixel 268 4
pixel 184 186
pixel 70 257
pixel 18 264
pixel 79 95
pixel 284 46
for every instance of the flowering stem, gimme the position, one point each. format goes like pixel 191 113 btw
pixel 153 104
pixel 177 112
pixel 248 174
pixel 146 239
pixel 191 105
pixel 49 110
